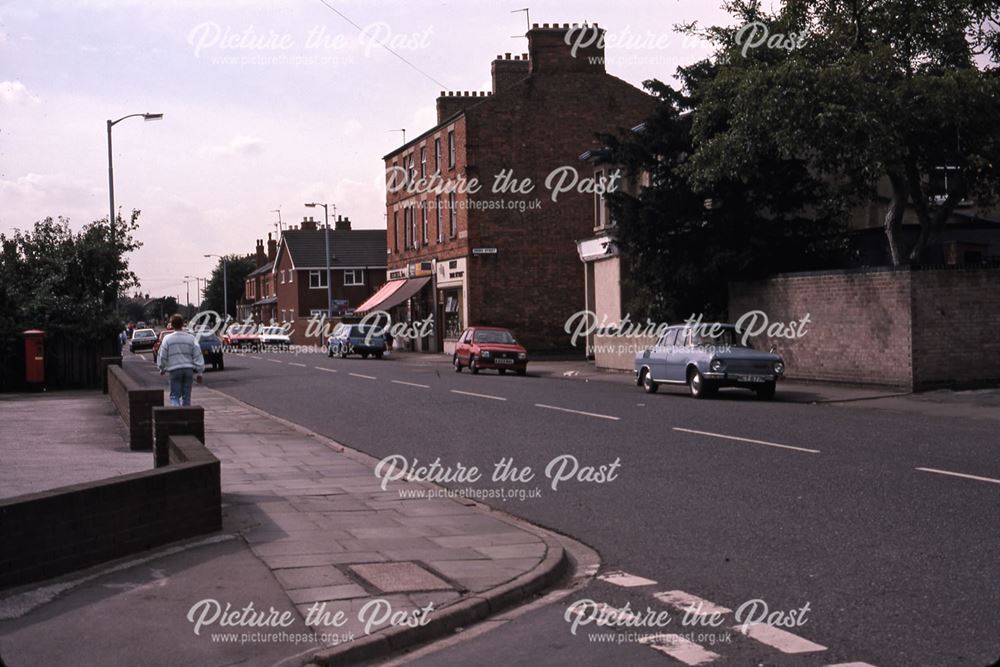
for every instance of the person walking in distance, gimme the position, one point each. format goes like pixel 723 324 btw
pixel 180 355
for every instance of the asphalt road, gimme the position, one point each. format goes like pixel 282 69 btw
pixel 727 500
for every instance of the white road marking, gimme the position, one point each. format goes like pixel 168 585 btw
pixel 275 361
pixel 681 649
pixel 293 363
pixel 250 356
pixel 359 375
pixel 412 384
pixel 576 412
pixel 685 602
pixel 756 442
pixel 328 370
pixel 851 664
pixel 469 393
pixel 777 638
pixel 625 579
pixel 960 474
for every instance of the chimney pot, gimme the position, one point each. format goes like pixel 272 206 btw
pixel 506 56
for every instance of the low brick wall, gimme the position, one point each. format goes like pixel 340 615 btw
pixel 135 405
pixel 913 329
pixel 172 421
pixel 46 534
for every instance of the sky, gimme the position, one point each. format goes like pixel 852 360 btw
pixel 267 104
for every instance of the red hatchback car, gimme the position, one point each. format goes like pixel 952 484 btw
pixel 490 347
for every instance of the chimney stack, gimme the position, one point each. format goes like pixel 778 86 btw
pixel 259 256
pixel 272 248
pixel 308 224
pixel 567 48
pixel 342 224
pixel 506 72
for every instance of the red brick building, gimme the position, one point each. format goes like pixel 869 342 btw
pixel 289 284
pixel 501 257
pixel 299 275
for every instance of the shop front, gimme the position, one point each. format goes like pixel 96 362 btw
pixel 408 299
pixel 452 307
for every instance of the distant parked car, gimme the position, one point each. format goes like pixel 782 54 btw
pixel 490 347
pixel 239 337
pixel 275 337
pixel 159 342
pixel 142 339
pixel 348 339
pixel 691 356
pixel 211 349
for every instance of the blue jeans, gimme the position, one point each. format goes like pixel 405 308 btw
pixel 181 380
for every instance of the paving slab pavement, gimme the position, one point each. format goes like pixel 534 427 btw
pixel 62 438
pixel 365 571
pixel 339 543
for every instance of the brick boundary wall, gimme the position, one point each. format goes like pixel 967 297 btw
pixel 917 329
pixel 172 421
pixel 135 405
pixel 50 533
pixel 105 362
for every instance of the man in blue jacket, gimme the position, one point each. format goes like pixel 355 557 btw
pixel 180 355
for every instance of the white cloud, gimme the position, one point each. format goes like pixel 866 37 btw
pixel 15 93
pixel 239 145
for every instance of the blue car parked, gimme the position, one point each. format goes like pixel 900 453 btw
pixel 356 339
pixel 706 357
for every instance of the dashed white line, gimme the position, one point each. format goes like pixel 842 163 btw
pixel 322 368
pixel 681 649
pixel 756 442
pixel 777 638
pixel 577 412
pixel 250 356
pixel 412 384
pixel 293 363
pixel 851 664
pixel 275 361
pixel 960 474
pixel 625 579
pixel 690 603
pixel 469 393
pixel 366 377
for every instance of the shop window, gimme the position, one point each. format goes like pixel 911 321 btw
pixel 452 313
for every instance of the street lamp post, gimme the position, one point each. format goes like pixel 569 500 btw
pixel 326 236
pixel 225 290
pixel 187 299
pixel 199 290
pixel 111 183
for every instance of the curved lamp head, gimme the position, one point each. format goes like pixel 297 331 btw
pixel 152 116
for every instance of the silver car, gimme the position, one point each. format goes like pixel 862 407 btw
pixel 705 357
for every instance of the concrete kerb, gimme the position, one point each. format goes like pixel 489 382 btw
pixel 461 613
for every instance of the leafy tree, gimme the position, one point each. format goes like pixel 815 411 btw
pixel 238 267
pixel 62 281
pixel 683 242
pixel 869 92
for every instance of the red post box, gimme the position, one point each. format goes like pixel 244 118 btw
pixel 34 356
